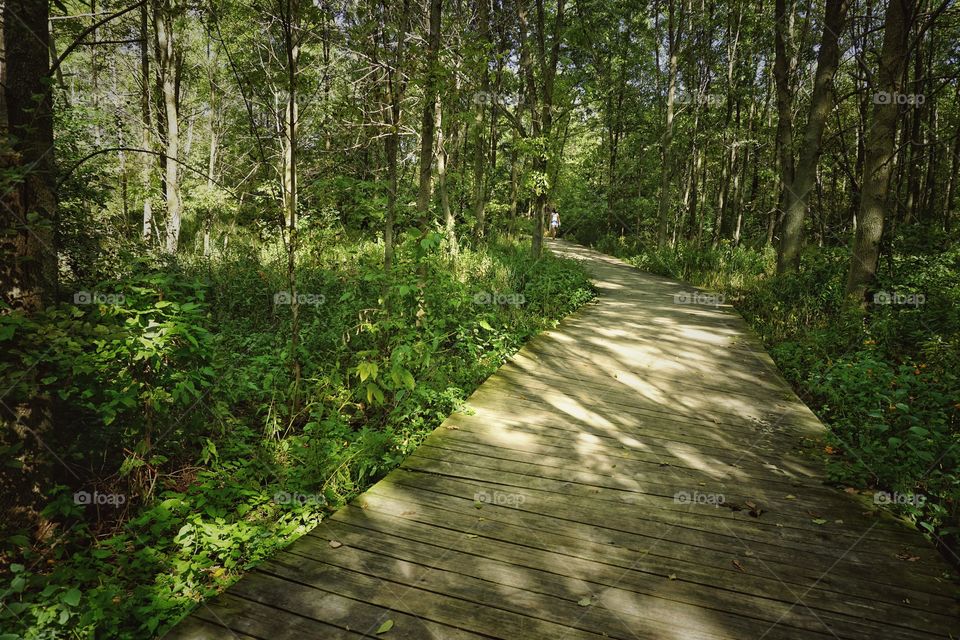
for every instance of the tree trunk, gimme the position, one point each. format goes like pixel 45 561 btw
pixel 821 103
pixel 290 18
pixel 395 85
pixel 214 138
pixel 163 19
pixel 28 262
pixel 881 140
pixel 429 108
pixel 145 129
pixel 782 72
pixel 663 210
pixel 479 158
pixel 449 222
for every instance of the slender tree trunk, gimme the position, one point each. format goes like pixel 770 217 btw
pixel 449 222
pixel 782 72
pixel 290 17
pixel 514 186
pixel 480 156
pixel 214 138
pixel 548 71
pixel 880 146
pixel 429 108
pixel 146 126
pixel 663 210
pixel 395 86
pixel 954 169
pixel 163 17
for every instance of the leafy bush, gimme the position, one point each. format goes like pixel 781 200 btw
pixel 180 397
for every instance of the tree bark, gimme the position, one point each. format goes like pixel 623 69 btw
pixel 663 210
pixel 163 19
pixel 290 18
pixel 782 72
pixel 480 156
pixel 395 86
pixel 145 129
pixel 28 266
pixel 429 109
pixel 821 103
pixel 880 146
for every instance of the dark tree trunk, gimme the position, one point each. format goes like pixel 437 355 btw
pixel 821 103
pixel 28 220
pixel 880 147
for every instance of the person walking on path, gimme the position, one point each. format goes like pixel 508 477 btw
pixel 554 223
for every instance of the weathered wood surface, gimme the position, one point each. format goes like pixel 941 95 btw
pixel 575 499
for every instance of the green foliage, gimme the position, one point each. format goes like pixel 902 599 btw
pixel 179 387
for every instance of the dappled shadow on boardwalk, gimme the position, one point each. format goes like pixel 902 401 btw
pixel 641 471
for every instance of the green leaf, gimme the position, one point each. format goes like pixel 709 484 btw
pixel 919 431
pixel 485 325
pixel 819 521
pixel 374 393
pixel 585 602
pixel 71 597
pixel 386 626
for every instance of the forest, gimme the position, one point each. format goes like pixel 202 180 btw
pixel 254 252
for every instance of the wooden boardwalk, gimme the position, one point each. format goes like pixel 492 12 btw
pixel 580 499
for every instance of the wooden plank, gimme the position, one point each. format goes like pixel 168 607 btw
pixel 436 596
pixel 718 460
pixel 656 489
pixel 555 597
pixel 230 616
pixel 196 628
pixel 611 546
pixel 650 596
pixel 333 605
pixel 725 462
pixel 588 523
pixel 591 430
pixel 618 461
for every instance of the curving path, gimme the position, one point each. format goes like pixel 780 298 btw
pixel 640 472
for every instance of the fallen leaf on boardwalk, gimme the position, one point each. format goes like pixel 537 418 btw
pixel 335 544
pixel 748 553
pixel 672 576
pixel 471 535
pixel 906 555
pixel 386 626
pixel 819 521
pixel 739 566
pixel 790 496
pixel 584 602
